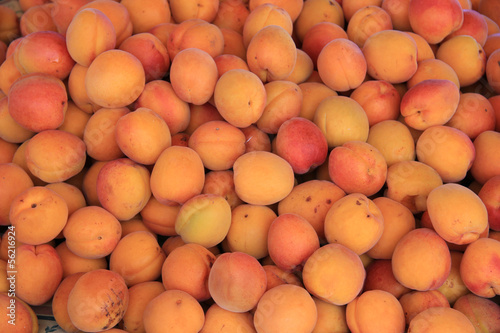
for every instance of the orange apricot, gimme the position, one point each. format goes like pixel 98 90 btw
pixel 202 9
pixel 416 301
pixel 440 319
pixel 114 79
pixel 240 97
pixel 177 175
pixel 143 17
pixel 485 164
pixel 123 199
pixel 287 307
pixel 262 178
pixel 334 274
pixel 75 120
pixel 39 214
pixel 433 69
pixel 14 182
pixel 308 17
pixel 347 55
pixel 398 11
pixel 493 71
pixel 37 18
pixel 220 320
pixel 383 48
pixel 393 140
pixel 366 21
pixel 10 130
pixel 77 90
pixel 231 15
pixel 142 135
pixel 175 309
pixel 92 232
pixel 187 268
pixel 318 36
pixel 222 183
pixel 313 93
pixel 72 263
pixel 139 297
pixel 160 218
pixel 137 258
pixel 59 304
pixel 264 15
pixel 193 84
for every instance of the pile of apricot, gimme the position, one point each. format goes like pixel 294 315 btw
pixel 250 165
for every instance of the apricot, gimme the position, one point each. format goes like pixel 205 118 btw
pixel 471 53
pixel 283 100
pixel 482 312
pixel 55 155
pixel 59 304
pixel 474 24
pixel 222 183
pixel 44 52
pixel 92 232
pixel 361 160
pixel 114 79
pixel 398 221
pixel 194 85
pixel 10 130
pixel 39 214
pixel 490 9
pixel 313 93
pixel 9 29
pixel 236 281
pixel 291 240
pixel 440 319
pixel 75 120
pixel 203 9
pixel 139 296
pixel 226 62
pixel 84 45
pixel 72 263
pixel 256 139
pixel 347 55
pixel 288 307
pixel 383 48
pixel 98 300
pixel 151 52
pixel 485 164
pixel 63 12
pixel 430 102
pixel 424 50
pixel 488 194
pixel 366 21
pixel 177 175
pixel 37 18
pixel 218 319
pixel 99 134
pixel 332 12
pixel 264 15
pixel 492 43
pixel 7 151
pixel 334 274
pixel 393 140
pixel 137 258
pixel 379 276
pixel 380 100
pixel 493 71
pixel 473 106
pixel 196 33
pixel 375 310
pixel 424 15
pixel 38 101
pixel 200 114
pixel 142 135
pixel 175 309
pixel 218 144
pixel 277 276
pixel 331 317
pixel 187 268
pixel 478 269
pixel 123 199
pixel 415 302
pixel 262 178
pixel 233 43
pixel 398 11
pixel 159 96
pixel 271 53
pixel 292 7
pixel 335 114
pixel 248 232
pixel 77 91
pixel 421 250
pixel 14 182
pixel 9 74
pixel 318 36
pixel 453 288
pixel 303 69
pixel 231 15
pixel 143 17
pixel 117 13
pixel 135 224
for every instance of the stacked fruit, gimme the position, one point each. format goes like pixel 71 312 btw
pixel 251 165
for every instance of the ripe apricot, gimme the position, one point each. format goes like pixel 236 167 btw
pixel 10 130
pixel 160 218
pixel 264 15
pixel 142 135
pixel 231 15
pixel 439 319
pixel 240 97
pixel 123 199
pixel 98 300
pixel 92 232
pixel 177 175
pixel 393 140
pixel 72 263
pixel 202 9
pixel 37 18
pixel 14 182
pixel 222 183
pixel 77 90
pixel 139 297
pixel 313 93
pixel 220 320
pixel 39 214
pixel 262 178
pixel 485 163
pixel 59 303
pixel 146 17
pixel 175 309
pixel 308 17
pixel 318 36
pixel 114 79
pixel 287 307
